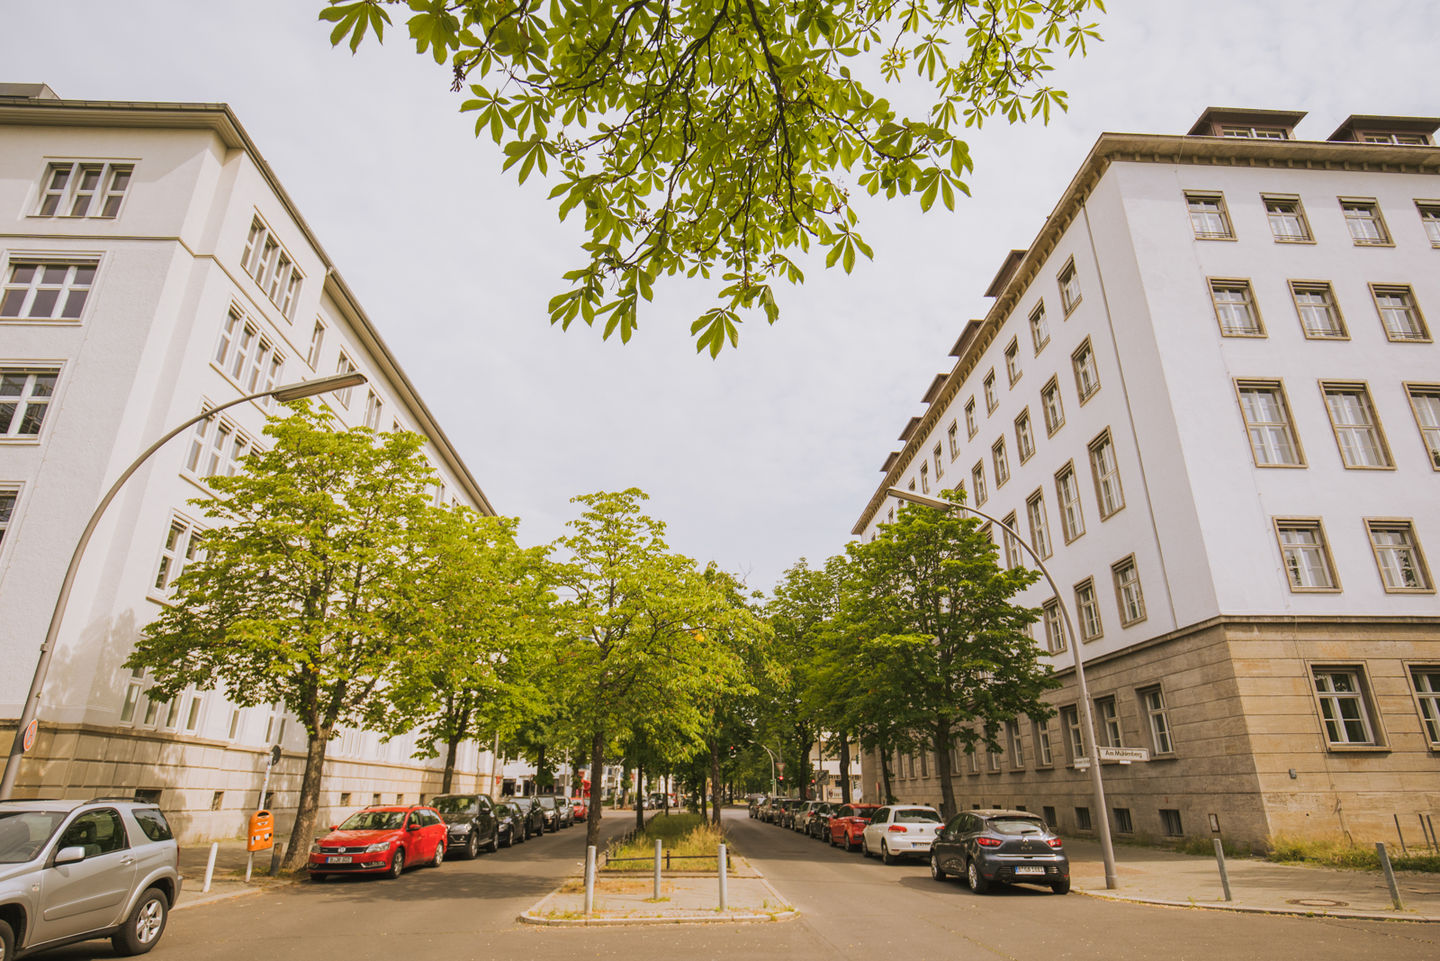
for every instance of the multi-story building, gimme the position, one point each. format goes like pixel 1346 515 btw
pixel 153 266
pixel 1209 395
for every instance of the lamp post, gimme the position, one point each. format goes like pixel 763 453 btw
pixel 1097 785
pixel 31 710
pixel 774 785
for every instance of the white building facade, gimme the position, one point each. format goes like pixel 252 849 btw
pixel 153 266
pixel 1209 396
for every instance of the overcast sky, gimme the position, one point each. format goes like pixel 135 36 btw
pixel 771 452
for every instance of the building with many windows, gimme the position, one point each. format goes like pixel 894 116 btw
pixel 1209 395
pixel 152 266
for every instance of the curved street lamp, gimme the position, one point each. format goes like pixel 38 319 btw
pixel 1097 785
pixel 31 710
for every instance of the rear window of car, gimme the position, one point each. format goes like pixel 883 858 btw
pixel 153 824
pixel 1016 826
pixel 916 815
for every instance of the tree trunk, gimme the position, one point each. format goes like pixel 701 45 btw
pixel 715 781
pixel 639 799
pixel 597 800
pixel 884 751
pixel 845 769
pixel 297 853
pixel 449 776
pixel 944 741
pixel 704 801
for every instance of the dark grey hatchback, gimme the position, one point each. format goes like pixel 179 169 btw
pixel 993 846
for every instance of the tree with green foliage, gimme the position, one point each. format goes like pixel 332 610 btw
pixel 940 613
pixel 712 134
pixel 304 592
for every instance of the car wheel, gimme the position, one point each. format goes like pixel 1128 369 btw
pixel 975 879
pixel 885 855
pixel 472 847
pixel 1061 887
pixel 7 942
pixel 849 842
pixel 865 846
pixel 495 840
pixel 142 929
pixel 397 863
pixel 936 871
pixel 439 855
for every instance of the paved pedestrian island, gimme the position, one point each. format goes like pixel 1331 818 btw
pixel 628 900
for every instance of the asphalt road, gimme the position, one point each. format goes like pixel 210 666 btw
pixel 852 908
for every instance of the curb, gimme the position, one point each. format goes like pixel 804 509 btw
pixel 1316 912
pixel 533 915
pixel 202 899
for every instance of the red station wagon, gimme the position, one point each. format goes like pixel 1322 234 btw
pixel 380 840
pixel 847 825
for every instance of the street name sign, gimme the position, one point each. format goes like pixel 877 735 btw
pixel 1124 754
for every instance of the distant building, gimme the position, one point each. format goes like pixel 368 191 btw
pixel 153 265
pixel 1209 395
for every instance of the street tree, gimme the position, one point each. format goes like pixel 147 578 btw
pixel 304 591
pixel 951 645
pixel 722 135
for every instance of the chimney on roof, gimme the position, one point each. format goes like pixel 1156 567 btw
pixel 27 91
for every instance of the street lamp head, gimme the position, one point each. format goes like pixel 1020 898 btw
pixel 921 499
pixel 309 388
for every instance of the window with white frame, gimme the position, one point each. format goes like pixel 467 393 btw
pixel 970 427
pixel 47 289
pixel 1268 424
pixel 1087 606
pixel 1357 429
pixel 1013 558
pixel 1306 554
pixel 1039 527
pixel 1024 436
pixel 246 355
pixel 1012 361
pixel 8 497
pixel 994 756
pixel 977 481
pixel 134 690
pixel 25 395
pixel 1396 139
pixel 1014 745
pixel 180 547
pixel 1235 308
pixel 1128 596
pixel 1054 626
pixel 1254 133
pixel 1426 681
pixel 1087 379
pixel 1425 404
pixel 1152 703
pixel 1107 722
pixel 1208 216
pixel 1050 402
pixel 1067 492
pixel 344 366
pixel 1069 282
pixel 194 711
pixel 374 408
pixel 1039 327
pixel 217 447
pixel 1106 472
pixel 1002 463
pixel 924 478
pixel 1399 313
pixel 1043 755
pixel 1287 220
pixel 1430 220
pixel 80 188
pixel 953 439
pixel 275 724
pixel 317 344
pixel 1365 223
pixel 1070 721
pixel 1397 554
pixel 1319 313
pixel 1344 707
pixel 272 267
pixel 991 400
pixel 939 462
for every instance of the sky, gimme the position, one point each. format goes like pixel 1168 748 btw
pixel 771 452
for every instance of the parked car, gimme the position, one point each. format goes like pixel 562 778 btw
pixel 532 816
pixel 75 870
pixel 819 825
pixel 900 830
pixel 765 809
pixel 580 809
pixel 995 846
pixel 848 824
pixel 788 812
pixel 800 821
pixel 756 802
pixel 471 821
pixel 380 840
pixel 557 812
pixel 511 822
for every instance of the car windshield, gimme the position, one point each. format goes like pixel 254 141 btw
pixel 23 833
pixel 459 804
pixel 913 815
pixel 548 803
pixel 374 821
pixel 1016 826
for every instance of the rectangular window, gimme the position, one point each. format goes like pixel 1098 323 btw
pixel 1397 554
pixel 1425 403
pixel 1357 429
pixel 180 547
pixel 1255 133
pixel 1012 361
pixel 1107 476
pixel 1067 491
pixel 1039 526
pixel 317 342
pixel 1287 220
pixel 1366 225
pixel 7 510
pixel 1208 216
pixel 970 427
pixel 134 687
pixel 1070 722
pixel 246 355
pixel 1152 702
pixel 217 447
pixel 952 438
pixel 991 400
pixel 1014 745
pixel 1069 282
pixel 1050 401
pixel 1344 709
pixel 374 409
pixel 1107 722
pixel 1235 308
pixel 1043 756
pixel 1123 822
pixel 1128 596
pixel 1054 626
pixel 1002 463
pixel 1087 380
pixel 46 289
pixel 1306 554
pixel 1082 819
pixel 1399 313
pixel 1012 543
pixel 1319 314
pixel 1170 823
pixel 272 267
pixel 1024 436
pixel 1040 327
pixel 977 481
pixel 1268 425
pixel 344 366
pixel 939 463
pixel 81 189
pixel 924 478
pixel 1430 220
pixel 1088 607
pixel 1427 698
pixel 25 396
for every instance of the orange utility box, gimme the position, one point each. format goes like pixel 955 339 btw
pixel 262 832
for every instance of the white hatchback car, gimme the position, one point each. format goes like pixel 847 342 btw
pixel 901 830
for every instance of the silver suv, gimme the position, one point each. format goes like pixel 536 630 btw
pixel 76 870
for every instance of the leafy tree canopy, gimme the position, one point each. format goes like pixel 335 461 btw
pixel 720 134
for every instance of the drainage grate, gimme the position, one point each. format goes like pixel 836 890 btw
pixel 1318 903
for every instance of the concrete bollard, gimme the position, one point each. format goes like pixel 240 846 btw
pixel 589 879
pixel 210 866
pixel 724 865
pixel 658 845
pixel 1389 875
pixel 1224 875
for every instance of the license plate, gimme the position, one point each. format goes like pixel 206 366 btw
pixel 339 860
pixel 1024 869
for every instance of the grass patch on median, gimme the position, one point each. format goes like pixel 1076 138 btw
pixel 1338 854
pixel 690 840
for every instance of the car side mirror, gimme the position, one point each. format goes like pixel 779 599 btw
pixel 70 855
pixel 334 827
pixel 413 827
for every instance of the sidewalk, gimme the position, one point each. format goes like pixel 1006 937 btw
pixel 229 878
pixel 628 900
pixel 1158 876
